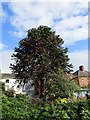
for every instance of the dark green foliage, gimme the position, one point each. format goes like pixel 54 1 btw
pixel 39 53
pixel 58 111
pixel 59 84
pixel 3 86
pixel 61 111
pixel 20 109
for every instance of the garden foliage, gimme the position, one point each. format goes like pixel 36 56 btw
pixel 20 109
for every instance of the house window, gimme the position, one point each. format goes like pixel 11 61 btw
pixel 7 81
pixel 82 79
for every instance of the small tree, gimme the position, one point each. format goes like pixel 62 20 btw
pixel 59 84
pixel 39 53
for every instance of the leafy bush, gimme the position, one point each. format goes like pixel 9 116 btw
pixel 59 84
pixel 60 110
pixel 3 86
pixel 22 108
pixel 14 108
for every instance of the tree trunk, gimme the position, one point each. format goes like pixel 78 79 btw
pixel 41 88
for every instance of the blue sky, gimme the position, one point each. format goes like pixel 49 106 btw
pixel 68 19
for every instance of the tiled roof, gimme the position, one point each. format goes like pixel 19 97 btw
pixel 7 76
pixel 80 73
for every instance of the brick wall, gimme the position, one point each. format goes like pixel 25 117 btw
pixel 83 81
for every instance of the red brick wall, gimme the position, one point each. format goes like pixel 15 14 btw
pixel 83 82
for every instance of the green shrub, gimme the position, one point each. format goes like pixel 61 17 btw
pixel 22 108
pixel 61 111
pixel 3 86
pixel 14 108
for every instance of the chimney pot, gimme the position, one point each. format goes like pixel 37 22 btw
pixel 81 68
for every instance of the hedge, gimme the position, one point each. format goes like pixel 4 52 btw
pixel 22 108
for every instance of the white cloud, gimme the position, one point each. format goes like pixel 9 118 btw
pixel 5 60
pixel 71 28
pixel 78 58
pixel 72 36
pixel 2 46
pixel 72 23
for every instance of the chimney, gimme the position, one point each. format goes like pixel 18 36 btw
pixel 81 68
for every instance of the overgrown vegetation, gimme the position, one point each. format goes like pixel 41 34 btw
pixel 15 108
pixel 59 85
pixel 3 86
pixel 20 109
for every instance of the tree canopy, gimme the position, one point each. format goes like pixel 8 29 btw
pixel 40 52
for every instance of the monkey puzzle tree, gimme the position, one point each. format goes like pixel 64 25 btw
pixel 39 53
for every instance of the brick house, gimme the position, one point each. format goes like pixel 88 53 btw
pixel 81 76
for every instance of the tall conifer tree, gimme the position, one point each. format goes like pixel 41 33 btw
pixel 39 53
